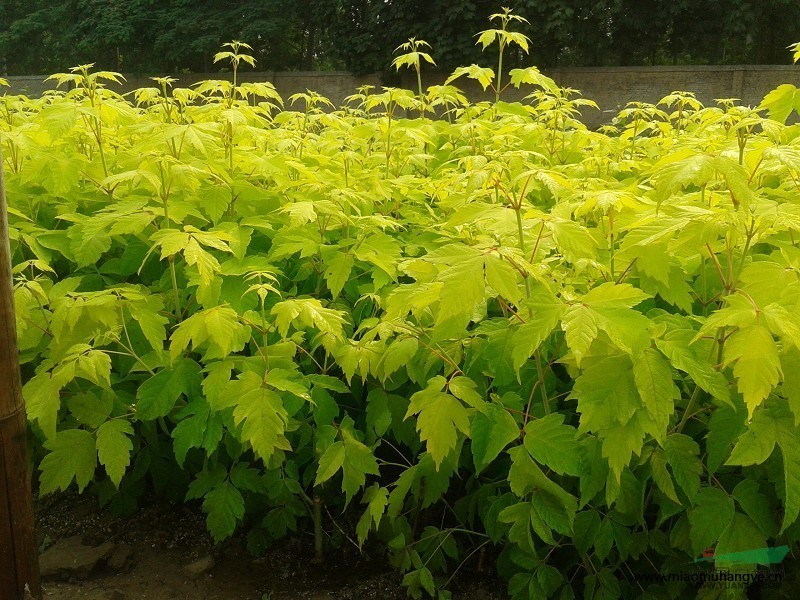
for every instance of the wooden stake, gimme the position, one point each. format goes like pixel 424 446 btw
pixel 19 566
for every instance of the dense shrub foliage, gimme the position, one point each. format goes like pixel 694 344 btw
pixel 491 336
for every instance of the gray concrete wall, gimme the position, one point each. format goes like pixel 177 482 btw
pixel 336 86
pixel 610 87
pixel 613 87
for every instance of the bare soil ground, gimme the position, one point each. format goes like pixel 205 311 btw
pixel 164 552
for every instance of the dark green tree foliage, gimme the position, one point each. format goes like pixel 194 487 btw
pixel 45 36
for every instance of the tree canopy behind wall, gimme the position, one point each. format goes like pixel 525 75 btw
pixel 45 36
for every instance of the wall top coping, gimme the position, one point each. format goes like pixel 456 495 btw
pixel 555 70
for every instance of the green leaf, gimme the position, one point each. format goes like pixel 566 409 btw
pixel 492 431
pixel 152 324
pixel 790 366
pixel 354 459
pixel 553 444
pixel 781 101
pixel 224 505
pixel 114 448
pixel 653 378
pixel 756 506
pixel 580 325
pixel 198 428
pixel 502 278
pixel 789 442
pixel 620 443
pixel 337 270
pixel 661 476
pixel 43 400
pixel 606 393
pixel 708 519
pixel 740 535
pixel 465 389
pixel 397 354
pixel 376 498
pixel 262 418
pixel 587 524
pixel 157 396
pixel 692 359
pixel 219 326
pixel 440 417
pixel 463 289
pixel 525 476
pixel 724 427
pixel 90 409
pixel 757 368
pixel 756 444
pixel 379 417
pixel 610 295
pixel 307 312
pixel 682 454
pixel 546 312
pixel 72 456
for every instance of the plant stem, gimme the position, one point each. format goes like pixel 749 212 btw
pixel 316 509
pixel 518 213
pixel 175 291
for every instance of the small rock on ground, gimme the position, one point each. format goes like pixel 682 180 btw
pixel 69 558
pixel 199 567
pixel 120 558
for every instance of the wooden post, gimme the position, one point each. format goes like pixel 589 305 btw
pixel 19 566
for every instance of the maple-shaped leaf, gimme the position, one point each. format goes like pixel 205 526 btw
pixel 661 476
pixel 757 368
pixel 790 366
pixel 376 498
pixel 219 327
pixel 338 266
pixel 362 357
pixel 72 456
pixel 553 444
pixel 156 397
pixel 757 443
pixel 620 443
pixel 146 313
pixel 491 432
pixel 114 448
pixel 740 536
pixel 224 505
pixel 683 457
pixel 781 101
pixel 525 477
pixel 606 393
pixel 724 428
pixel 502 278
pixel 262 417
pixel 42 395
pixel 545 312
pixel 789 443
pixel 712 513
pixel 355 460
pixel 532 76
pixel 307 312
pixel 199 427
pixel 190 242
pixel 580 325
pixel 397 354
pixel 693 358
pixel 440 417
pixel 653 377
pixel 482 75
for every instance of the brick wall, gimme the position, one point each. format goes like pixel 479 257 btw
pixel 610 87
